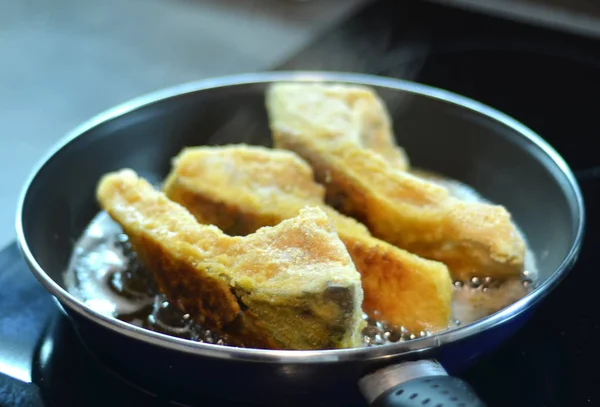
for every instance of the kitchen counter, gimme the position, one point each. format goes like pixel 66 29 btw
pixel 64 61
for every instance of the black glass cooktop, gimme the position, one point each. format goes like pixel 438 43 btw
pixel 547 80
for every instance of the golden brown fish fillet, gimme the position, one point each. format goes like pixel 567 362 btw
pixel 353 112
pixel 473 239
pixel 241 188
pixel 292 286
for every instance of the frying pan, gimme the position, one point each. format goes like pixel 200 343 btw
pixel 441 131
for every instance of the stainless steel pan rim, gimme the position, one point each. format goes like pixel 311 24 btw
pixel 321 356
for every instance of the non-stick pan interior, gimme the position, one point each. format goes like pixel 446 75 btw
pixel 468 145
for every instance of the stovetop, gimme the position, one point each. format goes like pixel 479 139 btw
pixel 547 80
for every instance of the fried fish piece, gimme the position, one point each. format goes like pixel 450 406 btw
pixel 354 112
pixel 292 286
pixel 472 239
pixel 240 188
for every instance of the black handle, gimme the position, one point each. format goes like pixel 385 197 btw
pixel 432 391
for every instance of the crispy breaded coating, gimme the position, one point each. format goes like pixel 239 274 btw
pixel 241 188
pixel 237 187
pixel 473 239
pixel 292 286
pixel 353 112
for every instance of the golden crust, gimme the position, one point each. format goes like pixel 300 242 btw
pixel 222 188
pixel 292 286
pixel 473 239
pixel 353 112
pixel 241 188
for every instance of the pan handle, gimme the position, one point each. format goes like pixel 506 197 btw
pixel 423 383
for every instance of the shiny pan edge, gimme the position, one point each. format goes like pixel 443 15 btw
pixel 318 356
